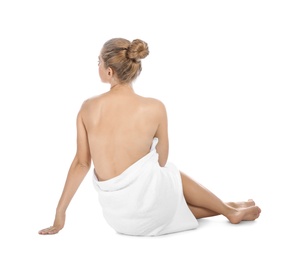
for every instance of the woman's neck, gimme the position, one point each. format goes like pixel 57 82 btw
pixel 119 86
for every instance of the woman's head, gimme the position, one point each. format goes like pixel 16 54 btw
pixel 124 58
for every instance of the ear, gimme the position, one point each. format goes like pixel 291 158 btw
pixel 109 72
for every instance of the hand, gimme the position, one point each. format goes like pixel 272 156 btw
pixel 57 226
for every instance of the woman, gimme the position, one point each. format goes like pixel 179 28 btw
pixel 126 137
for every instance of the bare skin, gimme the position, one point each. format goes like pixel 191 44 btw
pixel 203 203
pixel 116 129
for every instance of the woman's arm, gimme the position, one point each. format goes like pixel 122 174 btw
pixel 162 147
pixel 77 172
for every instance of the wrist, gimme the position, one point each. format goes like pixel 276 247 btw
pixel 60 210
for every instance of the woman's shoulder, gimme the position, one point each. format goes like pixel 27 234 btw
pixel 154 106
pixel 93 99
pixel 91 102
pixel 153 101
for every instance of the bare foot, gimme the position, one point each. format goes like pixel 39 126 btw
pixel 244 214
pixel 241 204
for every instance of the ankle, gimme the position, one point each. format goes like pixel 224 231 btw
pixel 232 215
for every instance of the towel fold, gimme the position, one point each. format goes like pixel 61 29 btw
pixel 146 199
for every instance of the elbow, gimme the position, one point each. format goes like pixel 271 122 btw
pixel 162 163
pixel 84 165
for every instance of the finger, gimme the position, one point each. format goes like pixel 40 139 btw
pixel 49 231
pixel 53 230
pixel 43 231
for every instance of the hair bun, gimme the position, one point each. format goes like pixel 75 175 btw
pixel 137 50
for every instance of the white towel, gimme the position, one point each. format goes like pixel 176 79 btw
pixel 146 199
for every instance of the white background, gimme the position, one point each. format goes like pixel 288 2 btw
pixel 224 69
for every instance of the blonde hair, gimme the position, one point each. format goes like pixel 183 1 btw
pixel 124 57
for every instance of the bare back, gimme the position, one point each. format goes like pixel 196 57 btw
pixel 120 127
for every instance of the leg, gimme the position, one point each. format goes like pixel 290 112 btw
pixel 204 203
pixel 199 212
